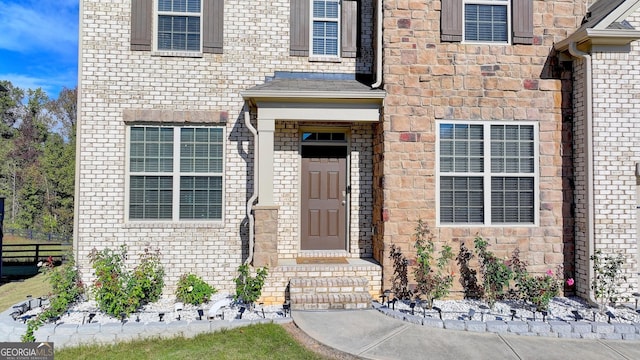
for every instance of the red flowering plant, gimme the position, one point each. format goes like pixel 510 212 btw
pixel 538 290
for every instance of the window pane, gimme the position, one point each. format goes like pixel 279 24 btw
pixel 201 197
pixel 150 197
pixel 461 200
pixel 151 149
pixel 485 23
pixel 512 149
pixel 512 200
pixel 178 32
pixel 199 154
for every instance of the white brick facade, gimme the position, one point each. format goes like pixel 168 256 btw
pixel 616 151
pixel 114 79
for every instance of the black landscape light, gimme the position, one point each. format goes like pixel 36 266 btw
pixel 200 314
pixel 91 316
pixel 161 317
pixel 439 311
pixel 513 314
pixel 412 306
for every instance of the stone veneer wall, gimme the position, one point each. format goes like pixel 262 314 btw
pixel 616 150
pixel 112 79
pixel 427 80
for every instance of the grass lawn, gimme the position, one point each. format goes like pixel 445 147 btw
pixel 261 341
pixel 14 292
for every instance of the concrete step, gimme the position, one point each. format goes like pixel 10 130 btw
pixel 323 293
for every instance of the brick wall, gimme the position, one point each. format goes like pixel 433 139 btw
pixel 113 79
pixel 428 80
pixel 616 150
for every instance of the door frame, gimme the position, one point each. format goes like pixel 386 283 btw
pixel 346 130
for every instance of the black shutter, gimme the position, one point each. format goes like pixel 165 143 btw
pixel 299 28
pixel 349 29
pixel 141 13
pixel 451 20
pixel 212 26
pixel 522 21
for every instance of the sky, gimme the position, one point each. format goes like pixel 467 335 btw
pixel 39 44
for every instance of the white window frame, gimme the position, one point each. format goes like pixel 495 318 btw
pixel 337 20
pixel 506 3
pixel 487 174
pixel 156 17
pixel 176 175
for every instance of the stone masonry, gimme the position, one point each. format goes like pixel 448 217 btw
pixel 429 80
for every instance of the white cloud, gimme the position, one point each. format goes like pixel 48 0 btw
pixel 33 26
pixel 51 85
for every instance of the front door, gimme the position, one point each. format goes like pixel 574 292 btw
pixel 323 223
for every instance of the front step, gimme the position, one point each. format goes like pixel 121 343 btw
pixel 324 293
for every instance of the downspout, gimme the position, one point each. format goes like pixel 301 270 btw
pixel 78 135
pixel 254 191
pixel 588 101
pixel 378 46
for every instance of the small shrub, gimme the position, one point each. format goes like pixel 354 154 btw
pixel 66 289
pixel 538 290
pixel 608 278
pixel 495 273
pixel 249 288
pixel 147 279
pixel 119 291
pixel 400 281
pixel 193 290
pixel 468 275
pixel 433 281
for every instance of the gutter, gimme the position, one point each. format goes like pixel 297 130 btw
pixel 588 101
pixel 76 190
pixel 378 46
pixel 254 191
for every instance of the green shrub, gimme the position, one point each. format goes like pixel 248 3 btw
pixel 495 273
pixel 249 288
pixel 433 281
pixel 193 290
pixel 608 278
pixel 119 291
pixel 66 289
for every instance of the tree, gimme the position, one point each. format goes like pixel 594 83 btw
pixel 37 171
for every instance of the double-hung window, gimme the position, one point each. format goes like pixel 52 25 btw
pixel 487 173
pixel 486 21
pixel 324 30
pixel 179 25
pixel 175 173
pixel 326 27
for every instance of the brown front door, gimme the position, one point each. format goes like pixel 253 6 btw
pixel 323 203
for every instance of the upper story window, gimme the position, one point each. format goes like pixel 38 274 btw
pixel 179 25
pixel 487 21
pixel 324 28
pixel 175 173
pixel 487 173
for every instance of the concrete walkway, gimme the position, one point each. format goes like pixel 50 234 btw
pixel 372 335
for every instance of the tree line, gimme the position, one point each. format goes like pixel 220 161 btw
pixel 37 158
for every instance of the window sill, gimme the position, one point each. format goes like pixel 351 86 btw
pixel 332 59
pixel 188 54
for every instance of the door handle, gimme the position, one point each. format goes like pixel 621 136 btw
pixel 343 202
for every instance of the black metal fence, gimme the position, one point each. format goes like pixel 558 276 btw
pixel 38 235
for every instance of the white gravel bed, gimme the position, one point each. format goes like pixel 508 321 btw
pixel 80 312
pixel 560 308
